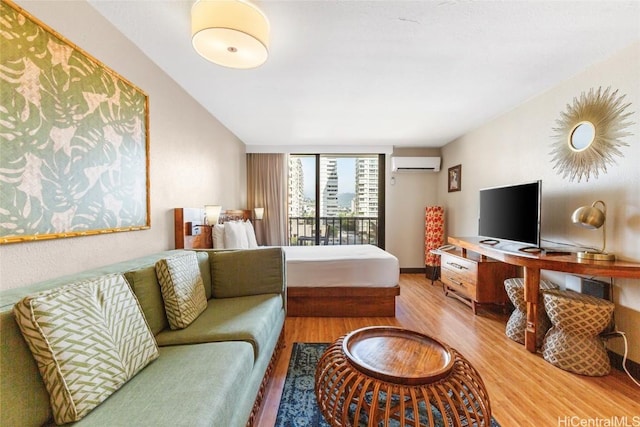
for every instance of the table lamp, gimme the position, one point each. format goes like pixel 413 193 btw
pixel 591 217
pixel 258 213
pixel 212 214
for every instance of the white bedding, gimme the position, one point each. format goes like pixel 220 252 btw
pixel 340 265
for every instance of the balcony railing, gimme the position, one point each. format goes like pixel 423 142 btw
pixel 333 230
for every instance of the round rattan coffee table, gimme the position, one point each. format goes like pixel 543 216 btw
pixel 374 375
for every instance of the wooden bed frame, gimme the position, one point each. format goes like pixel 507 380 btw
pixel 189 229
pixel 190 232
pixel 343 301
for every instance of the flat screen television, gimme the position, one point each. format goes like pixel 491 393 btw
pixel 511 212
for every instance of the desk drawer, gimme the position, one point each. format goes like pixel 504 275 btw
pixel 475 280
pixel 453 282
pixel 460 269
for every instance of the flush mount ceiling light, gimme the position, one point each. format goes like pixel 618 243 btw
pixel 231 33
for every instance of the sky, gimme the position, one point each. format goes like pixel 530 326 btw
pixel 346 175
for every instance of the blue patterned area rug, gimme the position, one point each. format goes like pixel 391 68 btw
pixel 298 407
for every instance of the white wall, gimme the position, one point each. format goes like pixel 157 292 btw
pixel 194 159
pixel 515 148
pixel 407 195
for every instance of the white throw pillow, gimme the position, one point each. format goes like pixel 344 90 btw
pixel 235 235
pixel 218 236
pixel 182 288
pixel 251 234
pixel 88 339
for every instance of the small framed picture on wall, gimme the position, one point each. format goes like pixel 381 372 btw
pixel 455 178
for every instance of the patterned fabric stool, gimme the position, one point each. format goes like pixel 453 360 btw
pixel 572 343
pixel 518 321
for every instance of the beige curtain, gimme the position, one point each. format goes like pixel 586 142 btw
pixel 267 176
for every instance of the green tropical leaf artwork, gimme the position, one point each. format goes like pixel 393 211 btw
pixel 74 144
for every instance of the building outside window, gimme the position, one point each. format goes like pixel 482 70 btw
pixel 344 192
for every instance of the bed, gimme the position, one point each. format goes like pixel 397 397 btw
pixel 341 281
pixel 323 281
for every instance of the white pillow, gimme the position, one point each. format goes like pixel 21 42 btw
pixel 218 236
pixel 235 235
pixel 251 234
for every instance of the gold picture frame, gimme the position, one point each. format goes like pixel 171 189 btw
pixel 454 178
pixel 74 139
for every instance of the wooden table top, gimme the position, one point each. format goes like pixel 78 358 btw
pixel 565 263
pixel 398 355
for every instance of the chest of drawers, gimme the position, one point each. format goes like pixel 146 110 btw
pixel 474 279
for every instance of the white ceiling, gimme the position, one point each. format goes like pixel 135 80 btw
pixel 401 73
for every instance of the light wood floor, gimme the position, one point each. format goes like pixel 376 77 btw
pixel 524 389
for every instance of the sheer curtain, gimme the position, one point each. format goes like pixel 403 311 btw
pixel 267 188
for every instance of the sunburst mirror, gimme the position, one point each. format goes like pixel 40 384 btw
pixel 588 134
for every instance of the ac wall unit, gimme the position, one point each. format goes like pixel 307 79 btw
pixel 415 164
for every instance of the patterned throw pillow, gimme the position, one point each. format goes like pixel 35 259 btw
pixel 182 288
pixel 88 339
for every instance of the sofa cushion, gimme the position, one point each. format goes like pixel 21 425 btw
pixel 144 283
pixel 24 400
pixel 205 271
pixel 189 385
pixel 249 319
pixel 182 289
pixel 247 272
pixel 88 339
pixel 27 402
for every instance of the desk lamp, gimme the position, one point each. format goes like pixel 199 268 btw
pixel 591 217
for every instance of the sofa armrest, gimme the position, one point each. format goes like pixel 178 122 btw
pixel 244 272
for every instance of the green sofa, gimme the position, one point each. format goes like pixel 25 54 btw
pixel 212 373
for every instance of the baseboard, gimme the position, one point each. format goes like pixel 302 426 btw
pixel 632 367
pixel 411 270
pixel 427 271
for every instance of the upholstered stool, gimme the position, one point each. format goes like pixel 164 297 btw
pixel 572 343
pixel 517 323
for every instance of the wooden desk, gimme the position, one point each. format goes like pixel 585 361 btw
pixel 532 263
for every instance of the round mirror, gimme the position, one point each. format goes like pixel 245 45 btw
pixel 582 136
pixel 582 151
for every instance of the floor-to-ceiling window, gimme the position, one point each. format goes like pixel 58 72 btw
pixel 336 199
